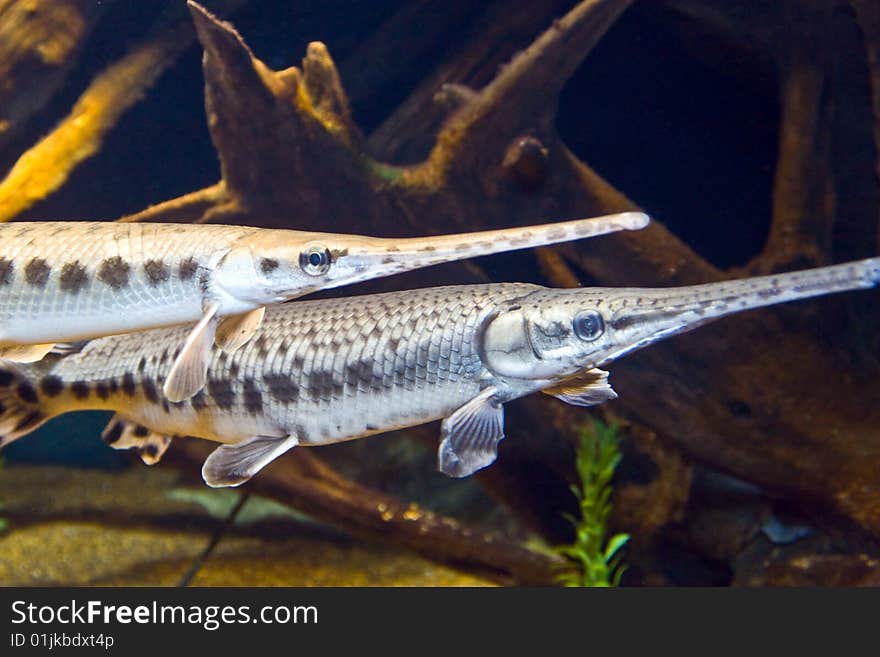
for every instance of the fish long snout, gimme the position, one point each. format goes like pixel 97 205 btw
pixel 405 254
pixel 646 316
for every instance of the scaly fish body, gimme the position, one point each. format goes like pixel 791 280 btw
pixel 323 371
pixel 63 281
pixel 67 281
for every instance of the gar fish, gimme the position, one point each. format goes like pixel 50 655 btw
pixel 325 371
pixel 66 281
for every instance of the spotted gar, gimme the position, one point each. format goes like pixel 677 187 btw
pixel 66 281
pixel 324 371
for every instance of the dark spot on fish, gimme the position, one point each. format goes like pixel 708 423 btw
pixel 101 390
pixel 282 387
pixel 371 427
pixel 73 277
pixel 187 268
pixel 233 369
pixel 7 271
pixel 198 401
pixel 6 377
pixel 156 271
pixel 260 345
pixel 113 386
pixel 362 371
pixel 142 364
pixel 80 389
pixel 222 392
pixel 320 384
pixel 26 393
pixel 141 431
pixel 114 433
pixel 268 265
pixel 429 248
pixel 163 357
pixel 114 272
pixel 36 272
pixel 150 392
pixel 337 253
pixel 387 260
pixel 150 450
pixel 31 420
pixel 253 400
pixel 769 293
pixel 51 385
pixel 128 385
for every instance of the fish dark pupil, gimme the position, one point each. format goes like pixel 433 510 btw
pixel 588 325
pixel 315 259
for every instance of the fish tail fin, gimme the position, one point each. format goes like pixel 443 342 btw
pixel 21 410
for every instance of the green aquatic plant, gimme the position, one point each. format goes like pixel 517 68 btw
pixel 593 561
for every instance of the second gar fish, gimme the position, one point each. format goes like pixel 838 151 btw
pixel 324 371
pixel 67 281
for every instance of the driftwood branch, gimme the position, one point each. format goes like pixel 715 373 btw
pixel 49 163
pixel 303 481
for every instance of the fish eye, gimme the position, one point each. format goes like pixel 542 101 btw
pixel 588 325
pixel 315 260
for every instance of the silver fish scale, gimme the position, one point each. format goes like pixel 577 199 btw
pixel 98 272
pixel 323 370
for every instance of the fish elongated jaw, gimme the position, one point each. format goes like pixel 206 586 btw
pixel 643 316
pixel 368 258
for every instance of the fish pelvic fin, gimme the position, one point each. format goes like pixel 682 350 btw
pixel 233 465
pixel 121 433
pixel 470 436
pixel 21 410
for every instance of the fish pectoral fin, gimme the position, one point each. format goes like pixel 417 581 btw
pixel 121 433
pixel 471 435
pixel 26 353
pixel 235 330
pixel 190 368
pixel 232 465
pixel 587 388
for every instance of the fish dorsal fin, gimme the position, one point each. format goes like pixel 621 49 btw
pixel 471 435
pixel 587 388
pixel 26 353
pixel 232 465
pixel 236 330
pixel 125 434
pixel 190 368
